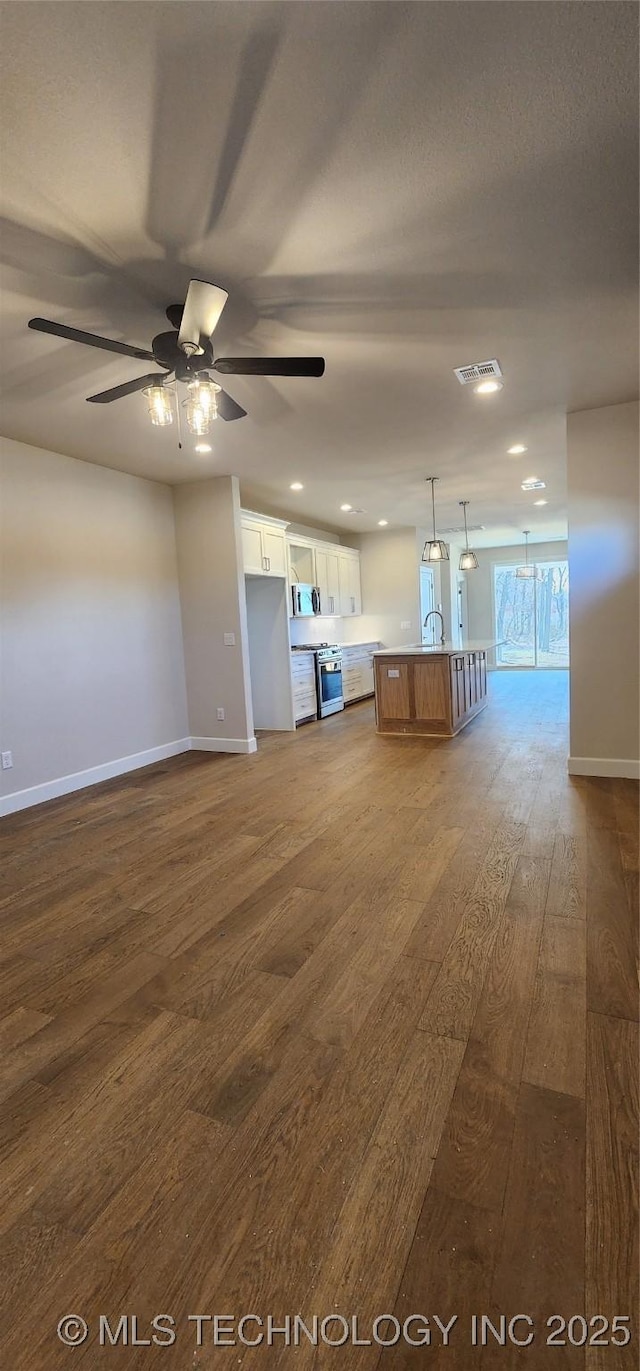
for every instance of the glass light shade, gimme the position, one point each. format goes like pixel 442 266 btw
pixel 435 550
pixel 528 573
pixel 201 407
pixel 468 561
pixel 160 407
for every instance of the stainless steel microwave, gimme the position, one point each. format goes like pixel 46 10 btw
pixel 306 601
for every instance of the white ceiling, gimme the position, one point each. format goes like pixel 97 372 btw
pixel 403 188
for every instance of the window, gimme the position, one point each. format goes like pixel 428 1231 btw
pixel 532 615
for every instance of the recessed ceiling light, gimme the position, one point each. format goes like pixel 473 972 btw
pixel 203 447
pixel 517 450
pixel 346 508
pixel 296 485
pixel 382 523
pixel 539 502
pixel 532 483
pixel 487 387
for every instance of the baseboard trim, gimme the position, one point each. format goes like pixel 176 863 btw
pixel 224 745
pixel 65 785
pixel 617 767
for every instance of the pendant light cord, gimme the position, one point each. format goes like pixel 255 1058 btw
pixel 433 503
pixel 466 531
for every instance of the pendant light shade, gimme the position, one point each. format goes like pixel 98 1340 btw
pixel 468 560
pixel 160 407
pixel 434 549
pixel 201 408
pixel 527 572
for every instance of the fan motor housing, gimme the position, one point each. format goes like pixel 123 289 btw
pixel 168 354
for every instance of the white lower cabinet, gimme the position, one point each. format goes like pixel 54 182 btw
pixel 357 671
pixel 303 681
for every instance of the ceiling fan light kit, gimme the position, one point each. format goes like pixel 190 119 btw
pixel 434 550
pixel 201 406
pixel 185 353
pixel 160 407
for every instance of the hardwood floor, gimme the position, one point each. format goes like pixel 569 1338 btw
pixel 348 1027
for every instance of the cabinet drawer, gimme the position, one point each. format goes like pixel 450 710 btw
pixel 304 705
pixel 302 689
pixel 352 690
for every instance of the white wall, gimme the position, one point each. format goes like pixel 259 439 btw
pixel 212 596
pixel 269 655
pixel 602 471
pixel 91 648
pixel 390 579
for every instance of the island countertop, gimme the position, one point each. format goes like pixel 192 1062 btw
pixel 446 649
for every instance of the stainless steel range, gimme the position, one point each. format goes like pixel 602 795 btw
pixel 329 680
pixel 328 659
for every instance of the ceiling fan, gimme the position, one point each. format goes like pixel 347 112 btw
pixel 185 352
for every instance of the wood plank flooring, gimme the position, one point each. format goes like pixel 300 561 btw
pixel 345 1028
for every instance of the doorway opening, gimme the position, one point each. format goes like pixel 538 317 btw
pixel 427 603
pixel 532 616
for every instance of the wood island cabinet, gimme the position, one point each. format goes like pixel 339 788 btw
pixel 429 693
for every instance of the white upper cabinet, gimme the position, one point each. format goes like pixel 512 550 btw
pixel 268 551
pixel 302 561
pixel 349 581
pixel 328 579
pixel 264 547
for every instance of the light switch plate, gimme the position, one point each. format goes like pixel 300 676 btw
pixel 406 623
pixel 7 761
pixel 229 639
pixel 220 713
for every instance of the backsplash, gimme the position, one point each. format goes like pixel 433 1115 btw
pixel 320 630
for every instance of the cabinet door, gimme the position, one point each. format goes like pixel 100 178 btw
pixel 430 690
pixel 252 549
pixel 458 694
pixel 333 584
pixel 349 583
pixel 322 579
pixel 393 690
pixel 274 551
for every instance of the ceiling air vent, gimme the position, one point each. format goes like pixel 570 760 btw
pixel 472 528
pixel 477 371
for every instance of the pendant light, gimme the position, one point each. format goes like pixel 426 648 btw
pixel 201 407
pixel 434 549
pixel 468 560
pixel 527 572
pixel 160 408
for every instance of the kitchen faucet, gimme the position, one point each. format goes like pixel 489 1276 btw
pixel 439 616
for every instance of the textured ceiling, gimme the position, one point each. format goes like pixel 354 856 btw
pixel 403 188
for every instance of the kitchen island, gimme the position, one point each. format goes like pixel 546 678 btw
pixel 430 690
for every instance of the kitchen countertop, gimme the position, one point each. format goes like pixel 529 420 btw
pixel 447 649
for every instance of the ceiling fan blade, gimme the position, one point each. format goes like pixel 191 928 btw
pixel 270 366
pixel 202 309
pixel 93 340
pixel 228 408
pixel 104 397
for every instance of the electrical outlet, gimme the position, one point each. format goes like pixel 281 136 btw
pixel 7 761
pixel 229 639
pixel 220 713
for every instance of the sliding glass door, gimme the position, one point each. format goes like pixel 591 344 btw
pixel 532 615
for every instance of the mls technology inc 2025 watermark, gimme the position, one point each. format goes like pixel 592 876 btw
pixel 338 1330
